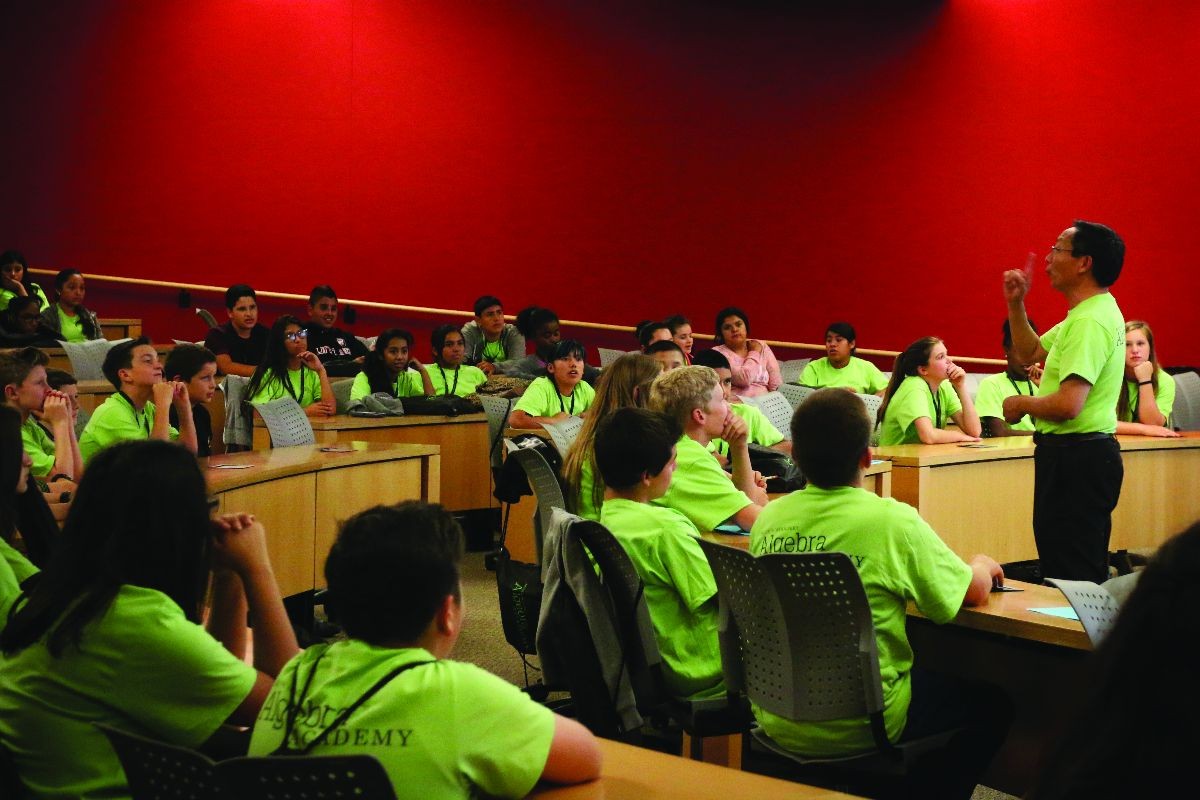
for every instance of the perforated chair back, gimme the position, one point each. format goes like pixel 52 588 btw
pixel 790 370
pixel 305 778
pixel 208 318
pixel 872 402
pixel 777 408
pixel 1096 608
pixel 158 771
pixel 286 422
pixel 341 393
pixel 1186 412
pixel 608 355
pixel 497 410
pixel 239 423
pixel 563 434
pixel 87 358
pixel 545 488
pixel 795 394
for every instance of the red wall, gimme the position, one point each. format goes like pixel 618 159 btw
pixel 614 160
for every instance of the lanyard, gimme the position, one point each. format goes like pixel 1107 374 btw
pixel 446 383
pixel 561 405
pixel 287 384
pixel 937 405
pixel 1018 388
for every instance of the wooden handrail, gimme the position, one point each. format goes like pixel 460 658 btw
pixel 443 312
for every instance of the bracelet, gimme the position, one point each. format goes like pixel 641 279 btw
pixel 1145 383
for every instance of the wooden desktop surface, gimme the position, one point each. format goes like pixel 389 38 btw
pixel 467 475
pixel 300 494
pixel 634 773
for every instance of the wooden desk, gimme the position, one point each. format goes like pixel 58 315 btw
pixel 93 393
pixel 463 440
pixel 121 328
pixel 634 773
pixel 301 493
pixel 980 499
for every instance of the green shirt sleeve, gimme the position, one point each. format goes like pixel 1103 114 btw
pixel 116 421
pixel 39 446
pixel 361 387
pixel 700 489
pixel 761 430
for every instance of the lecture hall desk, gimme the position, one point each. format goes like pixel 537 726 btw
pixel 301 493
pixel 980 499
pixel 466 474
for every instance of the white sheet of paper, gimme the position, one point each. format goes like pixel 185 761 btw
pixel 1062 612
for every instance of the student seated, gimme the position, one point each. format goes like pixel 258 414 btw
pixel 666 353
pixel 141 407
pixel 240 343
pixel 541 328
pixel 111 631
pixel 648 332
pixel 340 351
pixel 47 424
pixel 22 325
pixel 489 339
pixel 67 316
pixel 899 559
pixel 624 384
pixel 700 489
pixel 450 377
pixel 290 369
pixel 23 511
pixel 196 368
pixel 681 334
pixel 1019 378
pixel 926 391
pixel 635 453
pixel 15 281
pixel 840 367
pixel 391 369
pixel 441 728
pixel 62 381
pixel 1144 408
pixel 754 367
pixel 559 394
pixel 759 428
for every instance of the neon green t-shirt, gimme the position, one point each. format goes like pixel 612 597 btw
pixel 142 667
pixel 584 504
pixel 71 327
pixel 39 445
pixel 444 729
pixel 407 384
pixel 494 351
pixel 458 382
pixel 14 569
pixel 1089 343
pixel 541 399
pixel 116 420
pixel 680 592
pixel 899 559
pixel 305 387
pixel 859 374
pixel 1164 397
pixel 989 399
pixel 700 489
pixel 913 400
pixel 7 296
pixel 761 430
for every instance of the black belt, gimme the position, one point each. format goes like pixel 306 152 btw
pixel 1064 439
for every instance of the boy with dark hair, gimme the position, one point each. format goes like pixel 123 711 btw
pixel 196 368
pixel 558 395
pixel 141 407
pixel 440 728
pixel 53 449
pixel 761 431
pixel 1019 378
pixel 340 351
pixel 666 353
pixel 489 339
pixel 899 559
pixel 62 381
pixel 240 344
pixel 635 453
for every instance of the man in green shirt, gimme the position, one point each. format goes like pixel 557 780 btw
pixel 23 380
pixel 635 453
pixel 700 489
pixel 900 560
pixel 140 408
pixel 1077 462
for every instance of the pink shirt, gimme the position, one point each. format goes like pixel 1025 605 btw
pixel 757 373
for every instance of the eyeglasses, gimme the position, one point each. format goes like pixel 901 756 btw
pixel 1068 251
pixel 296 336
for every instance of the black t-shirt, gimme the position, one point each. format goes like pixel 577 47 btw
pixel 225 341
pixel 335 345
pixel 203 422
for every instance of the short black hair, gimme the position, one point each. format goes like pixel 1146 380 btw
pixel 438 337
pixel 830 432
pixel 486 302
pixel 1006 342
pixel 1106 248
pixel 319 291
pixel 632 442
pixel 663 345
pixel 531 319
pixel 390 570
pixel 567 348
pixel 237 292
pixel 186 360
pixel 119 357
pixel 58 378
pixel 842 329
pixel 13 257
pixel 714 359
pixel 646 328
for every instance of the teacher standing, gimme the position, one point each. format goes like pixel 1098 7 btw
pixel 1077 461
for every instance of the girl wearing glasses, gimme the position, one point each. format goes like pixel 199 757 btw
pixel 289 369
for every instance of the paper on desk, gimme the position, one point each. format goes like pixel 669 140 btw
pixel 1062 612
pixel 230 466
